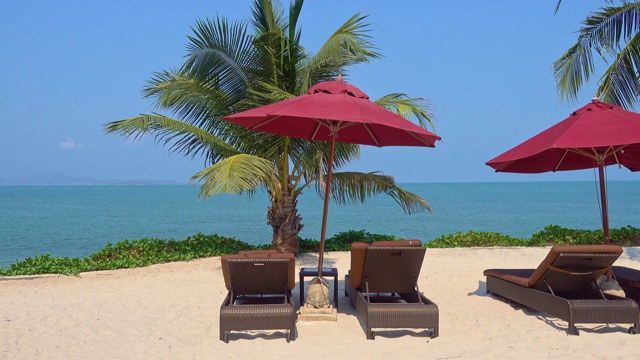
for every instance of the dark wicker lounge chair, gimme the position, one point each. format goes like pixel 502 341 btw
pixel 629 280
pixel 563 286
pixel 383 286
pixel 259 298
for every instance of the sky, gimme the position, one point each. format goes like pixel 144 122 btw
pixel 70 66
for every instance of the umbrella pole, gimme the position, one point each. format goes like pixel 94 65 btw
pixel 603 198
pixel 325 210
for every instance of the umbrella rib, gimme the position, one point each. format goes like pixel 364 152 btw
pixel 335 127
pixel 268 120
pixel 499 169
pixel 593 154
pixel 373 136
pixel 615 154
pixel 555 168
pixel 315 132
pixel 421 139
pixel 582 152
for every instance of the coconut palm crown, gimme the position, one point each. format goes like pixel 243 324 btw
pixel 228 69
pixel 612 32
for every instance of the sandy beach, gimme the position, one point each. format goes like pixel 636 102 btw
pixel 171 311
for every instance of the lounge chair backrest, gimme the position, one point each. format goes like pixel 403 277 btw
pixel 258 276
pixel 261 268
pixel 392 269
pixel 574 267
pixel 359 255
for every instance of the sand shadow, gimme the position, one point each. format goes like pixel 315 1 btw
pixel 310 260
pixel 278 335
pixel 481 290
pixel 552 321
pixel 33 277
pixel 633 253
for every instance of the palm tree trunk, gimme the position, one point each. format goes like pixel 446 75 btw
pixel 285 221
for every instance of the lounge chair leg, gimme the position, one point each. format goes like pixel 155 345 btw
pixel 225 337
pixel 370 335
pixel 573 330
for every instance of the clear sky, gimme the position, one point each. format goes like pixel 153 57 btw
pixel 70 66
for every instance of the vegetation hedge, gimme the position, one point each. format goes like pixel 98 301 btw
pixel 145 252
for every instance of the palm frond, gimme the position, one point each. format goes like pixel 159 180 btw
pixel 311 162
pixel 611 26
pixel 238 174
pixel 221 55
pixel 349 45
pixel 620 83
pixel 192 100
pixel 557 7
pixel 277 41
pixel 267 94
pixel 183 137
pixel 573 69
pixel 268 16
pixel 269 38
pixel 605 32
pixel 407 107
pixel 356 187
pixel 560 2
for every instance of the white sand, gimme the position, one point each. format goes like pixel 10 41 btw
pixel 171 311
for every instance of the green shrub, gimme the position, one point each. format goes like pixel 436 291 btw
pixel 342 241
pixel 558 235
pixel 145 252
pixel 46 264
pixel 475 239
pixel 625 236
pixel 308 245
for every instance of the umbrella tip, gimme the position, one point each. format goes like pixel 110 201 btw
pixel 595 99
pixel 339 77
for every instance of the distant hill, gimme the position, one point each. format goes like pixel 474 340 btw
pixel 62 179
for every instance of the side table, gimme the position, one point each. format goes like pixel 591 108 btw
pixel 329 272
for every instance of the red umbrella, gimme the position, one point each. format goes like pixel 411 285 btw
pixel 594 136
pixel 334 111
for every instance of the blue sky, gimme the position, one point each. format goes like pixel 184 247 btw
pixel 70 66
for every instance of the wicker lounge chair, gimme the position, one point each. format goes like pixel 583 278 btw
pixel 259 298
pixel 382 284
pixel 629 280
pixel 563 286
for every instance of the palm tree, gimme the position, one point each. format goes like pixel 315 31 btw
pixel 613 33
pixel 228 70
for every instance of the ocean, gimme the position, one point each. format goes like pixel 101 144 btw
pixel 76 221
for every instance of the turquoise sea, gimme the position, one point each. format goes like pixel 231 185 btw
pixel 76 221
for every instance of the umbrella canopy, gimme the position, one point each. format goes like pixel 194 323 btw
pixel 335 107
pixel 334 111
pixel 594 136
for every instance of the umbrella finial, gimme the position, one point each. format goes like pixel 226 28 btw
pixel 595 99
pixel 339 77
